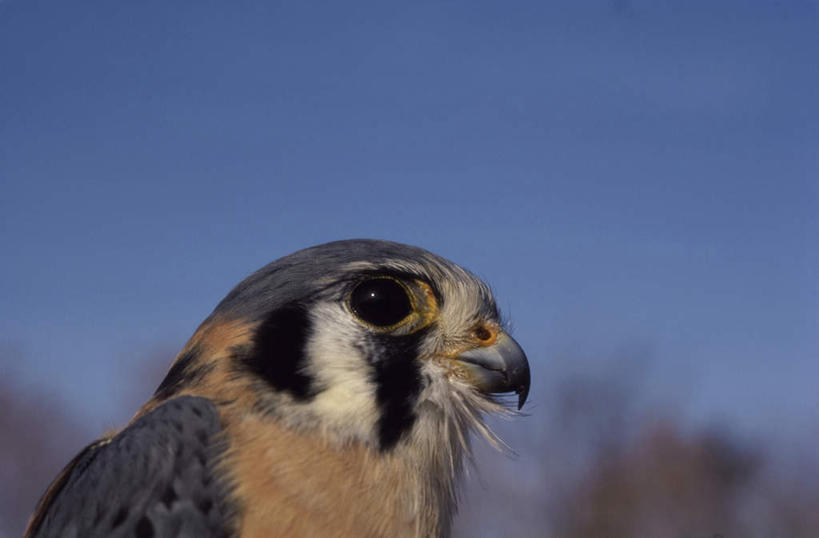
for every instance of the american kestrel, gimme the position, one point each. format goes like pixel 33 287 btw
pixel 331 393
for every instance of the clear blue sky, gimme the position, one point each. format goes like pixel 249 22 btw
pixel 626 174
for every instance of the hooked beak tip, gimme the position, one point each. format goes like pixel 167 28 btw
pixel 501 367
pixel 522 392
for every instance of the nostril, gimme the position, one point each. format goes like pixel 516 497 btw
pixel 483 334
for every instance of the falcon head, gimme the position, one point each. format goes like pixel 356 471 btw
pixel 361 340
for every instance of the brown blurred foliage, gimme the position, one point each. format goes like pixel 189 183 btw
pixel 38 436
pixel 38 439
pixel 595 460
pixel 663 484
pixel 666 483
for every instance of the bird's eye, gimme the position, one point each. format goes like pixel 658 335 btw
pixel 381 302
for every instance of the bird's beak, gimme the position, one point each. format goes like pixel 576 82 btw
pixel 500 367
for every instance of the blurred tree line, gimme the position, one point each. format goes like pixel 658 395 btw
pixel 609 464
pixel 602 466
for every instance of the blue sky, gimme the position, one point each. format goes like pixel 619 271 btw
pixel 627 175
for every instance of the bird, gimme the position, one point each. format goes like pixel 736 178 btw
pixel 332 392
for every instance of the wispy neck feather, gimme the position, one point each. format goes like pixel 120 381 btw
pixel 436 449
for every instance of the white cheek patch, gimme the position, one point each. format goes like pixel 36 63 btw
pixel 346 402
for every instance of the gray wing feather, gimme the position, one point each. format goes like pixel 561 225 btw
pixel 155 479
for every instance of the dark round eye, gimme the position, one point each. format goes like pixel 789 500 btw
pixel 381 302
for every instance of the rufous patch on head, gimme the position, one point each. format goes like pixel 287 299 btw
pixel 216 337
pixel 208 371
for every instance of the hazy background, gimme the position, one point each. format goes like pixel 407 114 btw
pixel 637 180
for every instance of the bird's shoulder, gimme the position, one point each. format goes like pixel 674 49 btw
pixel 157 477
